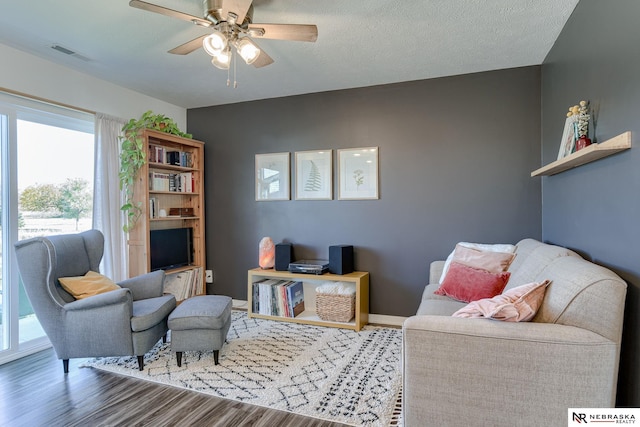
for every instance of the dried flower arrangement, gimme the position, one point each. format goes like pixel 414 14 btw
pixel 582 111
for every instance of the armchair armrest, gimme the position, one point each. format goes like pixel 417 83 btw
pixel 119 296
pixel 481 369
pixel 149 285
pixel 96 326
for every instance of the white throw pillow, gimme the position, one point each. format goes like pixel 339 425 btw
pixel 498 247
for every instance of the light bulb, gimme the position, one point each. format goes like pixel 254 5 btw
pixel 247 50
pixel 214 43
pixel 222 59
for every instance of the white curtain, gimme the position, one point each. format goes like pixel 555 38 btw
pixel 107 197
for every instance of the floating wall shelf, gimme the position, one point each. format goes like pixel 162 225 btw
pixel 587 155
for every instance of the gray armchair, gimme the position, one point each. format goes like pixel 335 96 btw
pixel 123 322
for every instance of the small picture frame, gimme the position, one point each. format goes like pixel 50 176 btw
pixel 358 173
pixel 569 137
pixel 272 176
pixel 314 175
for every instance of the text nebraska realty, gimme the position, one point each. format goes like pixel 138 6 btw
pixel 605 418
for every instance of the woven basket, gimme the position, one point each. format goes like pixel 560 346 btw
pixel 335 308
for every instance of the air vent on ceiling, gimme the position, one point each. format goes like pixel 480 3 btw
pixel 69 52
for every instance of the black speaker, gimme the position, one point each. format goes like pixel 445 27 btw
pixel 284 256
pixel 341 259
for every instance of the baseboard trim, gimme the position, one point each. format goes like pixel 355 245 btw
pixel 376 319
pixel 383 319
pixel 239 304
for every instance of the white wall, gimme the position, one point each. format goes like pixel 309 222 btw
pixel 28 74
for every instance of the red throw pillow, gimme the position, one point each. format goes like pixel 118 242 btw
pixel 468 284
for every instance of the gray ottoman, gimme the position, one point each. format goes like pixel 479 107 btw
pixel 200 323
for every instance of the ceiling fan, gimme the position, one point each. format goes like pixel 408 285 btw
pixel 231 22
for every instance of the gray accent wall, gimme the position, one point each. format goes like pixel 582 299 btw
pixel 595 209
pixel 455 156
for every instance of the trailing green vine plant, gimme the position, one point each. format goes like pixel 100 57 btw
pixel 133 157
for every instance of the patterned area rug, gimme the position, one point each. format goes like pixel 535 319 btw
pixel 327 373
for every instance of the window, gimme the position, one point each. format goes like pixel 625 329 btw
pixel 47 162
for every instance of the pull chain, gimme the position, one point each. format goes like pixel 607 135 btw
pixel 232 65
pixel 235 82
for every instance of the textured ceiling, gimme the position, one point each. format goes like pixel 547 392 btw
pixel 360 43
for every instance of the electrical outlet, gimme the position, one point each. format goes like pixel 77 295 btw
pixel 208 275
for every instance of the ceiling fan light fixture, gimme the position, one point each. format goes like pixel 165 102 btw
pixel 215 43
pixel 248 50
pixel 222 60
pixel 232 28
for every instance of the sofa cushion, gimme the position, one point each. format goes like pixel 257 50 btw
pixel 583 294
pixel 532 257
pixel 88 285
pixel 430 293
pixel 518 304
pixel 494 262
pixel 436 307
pixel 508 248
pixel 147 313
pixel 465 283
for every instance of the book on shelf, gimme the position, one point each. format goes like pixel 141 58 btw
pixel 274 297
pixel 156 153
pixel 159 181
pixel 295 298
pixel 183 284
pixel 186 159
pixel 265 296
pixel 186 182
pixel 173 158
pixel 163 155
pixel 282 300
pixel 174 182
pixel 153 208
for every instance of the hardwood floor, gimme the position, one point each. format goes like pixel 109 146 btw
pixel 35 392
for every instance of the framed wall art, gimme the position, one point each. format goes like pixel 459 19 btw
pixel 272 176
pixel 358 173
pixel 314 175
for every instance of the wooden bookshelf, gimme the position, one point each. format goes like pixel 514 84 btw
pixel 310 282
pixel 138 241
pixel 587 155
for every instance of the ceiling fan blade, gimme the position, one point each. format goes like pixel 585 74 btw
pixel 296 32
pixel 239 7
pixel 189 46
pixel 150 7
pixel 263 59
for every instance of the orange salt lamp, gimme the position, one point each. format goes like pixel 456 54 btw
pixel 267 253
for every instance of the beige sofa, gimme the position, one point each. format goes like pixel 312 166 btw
pixel 485 372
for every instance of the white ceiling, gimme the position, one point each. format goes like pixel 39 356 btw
pixel 360 43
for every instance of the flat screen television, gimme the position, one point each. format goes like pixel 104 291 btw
pixel 170 248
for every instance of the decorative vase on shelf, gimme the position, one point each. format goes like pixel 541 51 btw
pixel 582 142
